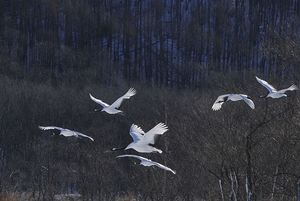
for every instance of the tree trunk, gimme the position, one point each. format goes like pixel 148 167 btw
pixel 221 189
pixel 298 190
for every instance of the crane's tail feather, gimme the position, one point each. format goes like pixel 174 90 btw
pixel 293 87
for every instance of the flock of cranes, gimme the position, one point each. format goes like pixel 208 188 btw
pixel 143 142
pixel 273 93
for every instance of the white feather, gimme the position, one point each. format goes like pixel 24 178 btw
pixel 269 87
pixel 274 93
pixel 118 102
pixel 147 162
pixel 141 141
pixel 113 108
pixel 100 102
pixel 232 97
pixel 66 132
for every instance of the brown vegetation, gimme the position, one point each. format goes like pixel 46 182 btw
pixel 206 148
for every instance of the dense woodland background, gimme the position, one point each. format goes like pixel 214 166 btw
pixel 179 55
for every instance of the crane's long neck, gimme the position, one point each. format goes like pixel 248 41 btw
pixel 97 109
pixel 265 96
pixel 120 148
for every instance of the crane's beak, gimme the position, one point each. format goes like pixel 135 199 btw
pixel 116 149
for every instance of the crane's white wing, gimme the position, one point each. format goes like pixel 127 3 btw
pixel 67 133
pixel 148 162
pixel 219 102
pixel 159 129
pixel 163 167
pixel 248 101
pixel 217 106
pixel 291 88
pixel 100 102
pixel 129 93
pixel 50 128
pixel 83 135
pixel 136 133
pixel 266 85
pixel 133 156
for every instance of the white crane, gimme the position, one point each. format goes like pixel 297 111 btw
pixel 232 97
pixel 142 141
pixel 113 108
pixel 147 162
pixel 274 93
pixel 66 132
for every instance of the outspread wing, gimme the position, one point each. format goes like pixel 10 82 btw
pixel 83 135
pixel 134 156
pixel 100 102
pixel 266 85
pixel 118 102
pixel 248 101
pixel 219 102
pixel 136 133
pixel 291 88
pixel 163 167
pixel 148 162
pixel 50 128
pixel 159 129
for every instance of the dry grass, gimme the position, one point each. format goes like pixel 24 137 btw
pixel 67 197
pixel 9 197
pixel 128 197
pixel 16 196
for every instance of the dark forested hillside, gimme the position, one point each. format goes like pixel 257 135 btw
pixel 179 55
pixel 171 42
